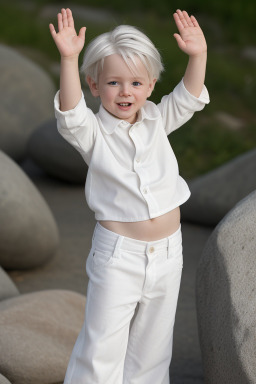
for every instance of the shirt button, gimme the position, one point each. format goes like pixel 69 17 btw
pixel 151 249
pixel 137 160
pixel 124 123
pixel 145 191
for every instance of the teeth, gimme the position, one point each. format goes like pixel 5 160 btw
pixel 124 104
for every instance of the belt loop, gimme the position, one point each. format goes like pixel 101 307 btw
pixel 169 248
pixel 118 245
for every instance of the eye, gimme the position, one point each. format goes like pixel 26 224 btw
pixel 112 83
pixel 136 83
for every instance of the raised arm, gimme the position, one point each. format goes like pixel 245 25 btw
pixel 69 45
pixel 191 40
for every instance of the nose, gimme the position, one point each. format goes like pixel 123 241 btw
pixel 125 90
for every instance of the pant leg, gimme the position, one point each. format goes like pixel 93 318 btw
pixel 149 348
pixel 119 278
pixel 112 294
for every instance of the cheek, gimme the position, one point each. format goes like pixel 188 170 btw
pixel 142 96
pixel 109 95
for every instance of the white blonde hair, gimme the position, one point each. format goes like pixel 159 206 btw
pixel 127 41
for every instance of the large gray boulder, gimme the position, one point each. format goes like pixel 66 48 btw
pixel 3 380
pixel 7 288
pixel 26 100
pixel 214 194
pixel 37 334
pixel 29 235
pixel 53 154
pixel 226 298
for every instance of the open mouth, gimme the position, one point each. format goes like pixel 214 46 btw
pixel 124 104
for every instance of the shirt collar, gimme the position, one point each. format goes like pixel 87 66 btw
pixel 109 122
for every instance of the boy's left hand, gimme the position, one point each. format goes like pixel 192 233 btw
pixel 190 39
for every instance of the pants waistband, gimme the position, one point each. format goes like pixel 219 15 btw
pixel 112 241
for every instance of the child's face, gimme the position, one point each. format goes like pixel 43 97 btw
pixel 121 91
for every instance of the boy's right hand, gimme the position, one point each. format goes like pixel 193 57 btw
pixel 68 42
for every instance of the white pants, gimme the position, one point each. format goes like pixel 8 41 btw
pixel 124 273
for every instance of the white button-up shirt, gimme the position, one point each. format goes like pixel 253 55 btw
pixel 133 173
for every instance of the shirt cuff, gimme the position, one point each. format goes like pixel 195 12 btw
pixel 197 103
pixel 72 117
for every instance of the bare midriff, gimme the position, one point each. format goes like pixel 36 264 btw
pixel 148 230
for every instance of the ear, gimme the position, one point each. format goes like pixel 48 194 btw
pixel 93 86
pixel 151 87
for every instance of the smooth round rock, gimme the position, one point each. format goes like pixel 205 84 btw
pixel 215 194
pixel 37 334
pixel 226 299
pixel 7 287
pixel 60 160
pixel 3 380
pixel 29 235
pixel 26 100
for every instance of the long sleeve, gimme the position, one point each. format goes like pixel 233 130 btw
pixel 179 106
pixel 78 126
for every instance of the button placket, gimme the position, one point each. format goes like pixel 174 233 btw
pixel 137 163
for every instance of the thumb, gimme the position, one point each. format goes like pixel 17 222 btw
pixel 179 40
pixel 82 33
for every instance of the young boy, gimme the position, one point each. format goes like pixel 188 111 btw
pixel 134 188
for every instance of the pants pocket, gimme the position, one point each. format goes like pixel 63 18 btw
pixel 176 254
pixel 101 258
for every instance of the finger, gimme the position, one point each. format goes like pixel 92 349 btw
pixel 70 18
pixel 179 40
pixel 182 18
pixel 194 21
pixel 178 22
pixel 60 23
pixel 187 18
pixel 82 33
pixel 52 30
pixel 64 17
